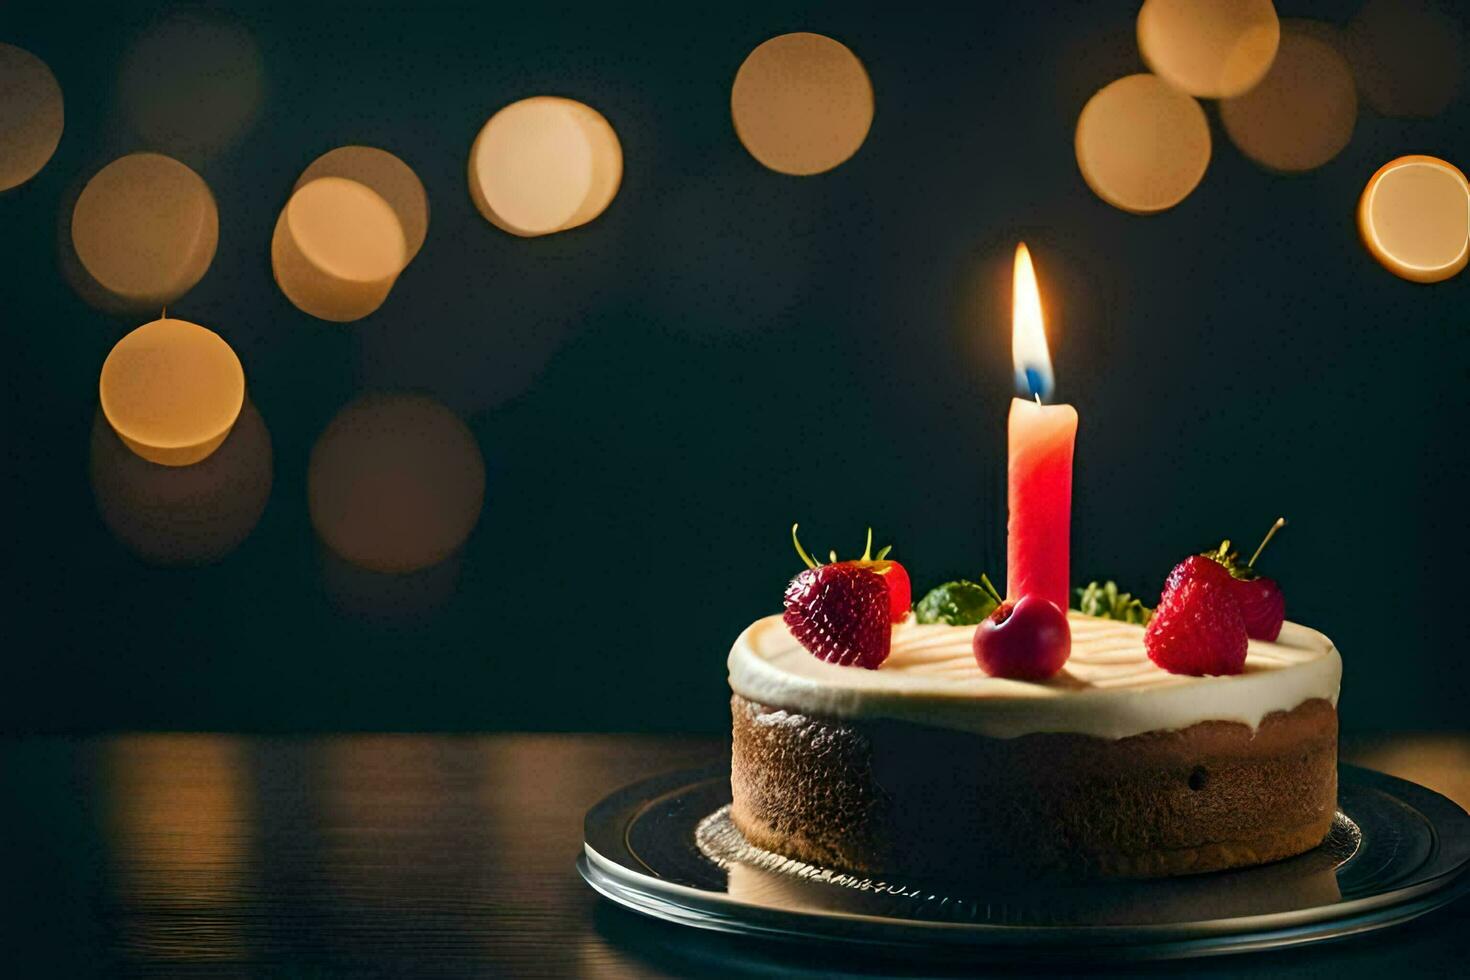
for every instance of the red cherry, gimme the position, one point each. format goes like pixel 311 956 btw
pixel 1027 640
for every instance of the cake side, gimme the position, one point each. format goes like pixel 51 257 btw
pixel 880 795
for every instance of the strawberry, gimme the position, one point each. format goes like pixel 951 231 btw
pixel 1262 605
pixel 840 613
pixel 1198 627
pixel 843 611
pixel 1261 601
pixel 896 578
pixel 1198 566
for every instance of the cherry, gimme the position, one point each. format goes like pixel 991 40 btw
pixel 1027 639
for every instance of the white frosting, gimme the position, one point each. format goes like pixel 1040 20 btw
pixel 1109 687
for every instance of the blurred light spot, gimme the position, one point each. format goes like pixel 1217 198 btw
pixel 184 515
pixel 192 84
pixel 346 230
pixel 1210 48
pixel 385 175
pixel 337 249
pixel 92 292
pixel 31 115
pixel 179 820
pixel 1303 112
pixel 1414 217
pixel 1409 56
pixel 802 103
pixel 172 389
pixel 544 164
pixel 1141 144
pixel 145 228
pixel 395 483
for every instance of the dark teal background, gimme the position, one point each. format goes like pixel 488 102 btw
pixel 659 394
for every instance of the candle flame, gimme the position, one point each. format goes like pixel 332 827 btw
pixel 1029 352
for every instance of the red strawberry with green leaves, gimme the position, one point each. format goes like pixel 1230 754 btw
pixel 1198 566
pixel 1262 605
pixel 1212 607
pixel 1261 601
pixel 1198 627
pixel 843 612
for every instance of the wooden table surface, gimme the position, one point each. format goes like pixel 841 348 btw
pixel 430 855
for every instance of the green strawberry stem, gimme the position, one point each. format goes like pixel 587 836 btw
pixel 867 551
pixel 800 550
pixel 1280 523
pixel 1231 561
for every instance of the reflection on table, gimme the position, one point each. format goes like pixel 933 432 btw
pixel 407 855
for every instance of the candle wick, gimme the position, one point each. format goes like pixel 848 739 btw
pixel 1037 396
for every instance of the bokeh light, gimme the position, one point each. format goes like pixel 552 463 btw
pixel 172 389
pixel 184 515
pixel 337 249
pixel 1142 145
pixel 1414 217
pixel 145 229
pixel 1408 55
pixel 802 103
pixel 395 483
pixel 385 175
pixel 192 84
pixel 1214 49
pixel 31 115
pixel 1302 113
pixel 543 165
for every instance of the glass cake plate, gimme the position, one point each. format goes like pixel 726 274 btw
pixel 666 848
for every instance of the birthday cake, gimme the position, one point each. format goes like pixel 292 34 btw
pixel 971 733
pixel 1115 766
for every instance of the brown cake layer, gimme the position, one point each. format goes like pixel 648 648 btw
pixel 893 797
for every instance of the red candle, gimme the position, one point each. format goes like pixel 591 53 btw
pixel 1039 477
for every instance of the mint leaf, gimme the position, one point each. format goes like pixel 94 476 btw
pixel 1106 601
pixel 961 603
